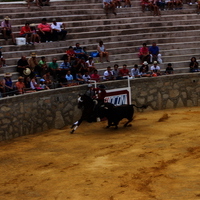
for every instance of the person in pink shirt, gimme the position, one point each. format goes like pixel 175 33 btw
pixel 45 31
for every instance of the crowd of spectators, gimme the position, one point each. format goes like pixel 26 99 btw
pixel 78 67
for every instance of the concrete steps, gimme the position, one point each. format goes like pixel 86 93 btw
pixel 176 32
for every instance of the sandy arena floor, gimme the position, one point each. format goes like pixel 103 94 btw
pixel 158 158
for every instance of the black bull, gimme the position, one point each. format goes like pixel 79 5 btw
pixel 91 111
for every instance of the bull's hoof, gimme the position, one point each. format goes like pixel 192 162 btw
pixel 116 127
pixel 107 126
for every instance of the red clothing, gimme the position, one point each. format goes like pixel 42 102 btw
pixel 95 77
pixel 20 86
pixel 101 93
pixel 124 72
pixel 144 50
pixel 25 29
pixel 70 52
pixel 45 27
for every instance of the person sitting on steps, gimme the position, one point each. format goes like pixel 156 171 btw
pixel 102 52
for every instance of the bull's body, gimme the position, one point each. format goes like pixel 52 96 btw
pixel 115 114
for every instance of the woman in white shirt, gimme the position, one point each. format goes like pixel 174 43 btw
pixel 102 52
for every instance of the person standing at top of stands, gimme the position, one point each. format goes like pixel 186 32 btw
pixel 102 52
pixel 6 29
pixel 45 31
pixel 109 5
pixel 59 30
pixel 154 53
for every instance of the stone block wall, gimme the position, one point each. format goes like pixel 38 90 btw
pixel 35 112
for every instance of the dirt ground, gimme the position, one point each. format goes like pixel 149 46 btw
pixel 158 158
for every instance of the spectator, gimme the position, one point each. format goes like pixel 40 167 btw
pixel 22 64
pixel 36 1
pixel 161 4
pixel 169 69
pixel 198 7
pixel 43 85
pixel 86 77
pixel 80 66
pixel 90 64
pixel 79 78
pixel 135 72
pixel 53 68
pixel 64 67
pixel 127 3
pixel 27 33
pixel 34 85
pixel 169 4
pixel 45 31
pixel 69 77
pixel 44 2
pixel 143 73
pixel 194 65
pixel 8 84
pixel 2 60
pixel 102 52
pixel 178 4
pixel 108 74
pixel 6 29
pixel 43 66
pixel 124 72
pixel 33 65
pixel 70 54
pixel 48 79
pixel 59 30
pixel 109 5
pixel 155 69
pixel 115 72
pixel 155 8
pixel 1 89
pixel 154 53
pixel 144 53
pixel 145 5
pixel 95 76
pixel 36 37
pixel 79 52
pixel 144 70
pixel 20 86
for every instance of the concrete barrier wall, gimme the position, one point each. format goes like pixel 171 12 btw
pixel 31 113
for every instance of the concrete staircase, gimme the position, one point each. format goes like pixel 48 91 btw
pixel 176 32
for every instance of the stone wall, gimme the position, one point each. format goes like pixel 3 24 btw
pixel 31 113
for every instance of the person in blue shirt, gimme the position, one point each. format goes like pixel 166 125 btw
pixel 154 53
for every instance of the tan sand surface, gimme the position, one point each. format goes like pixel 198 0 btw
pixel 158 158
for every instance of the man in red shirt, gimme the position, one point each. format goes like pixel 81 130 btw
pixel 27 33
pixel 144 53
pixel 124 72
pixel 45 31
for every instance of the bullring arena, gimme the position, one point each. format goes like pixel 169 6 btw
pixel 157 158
